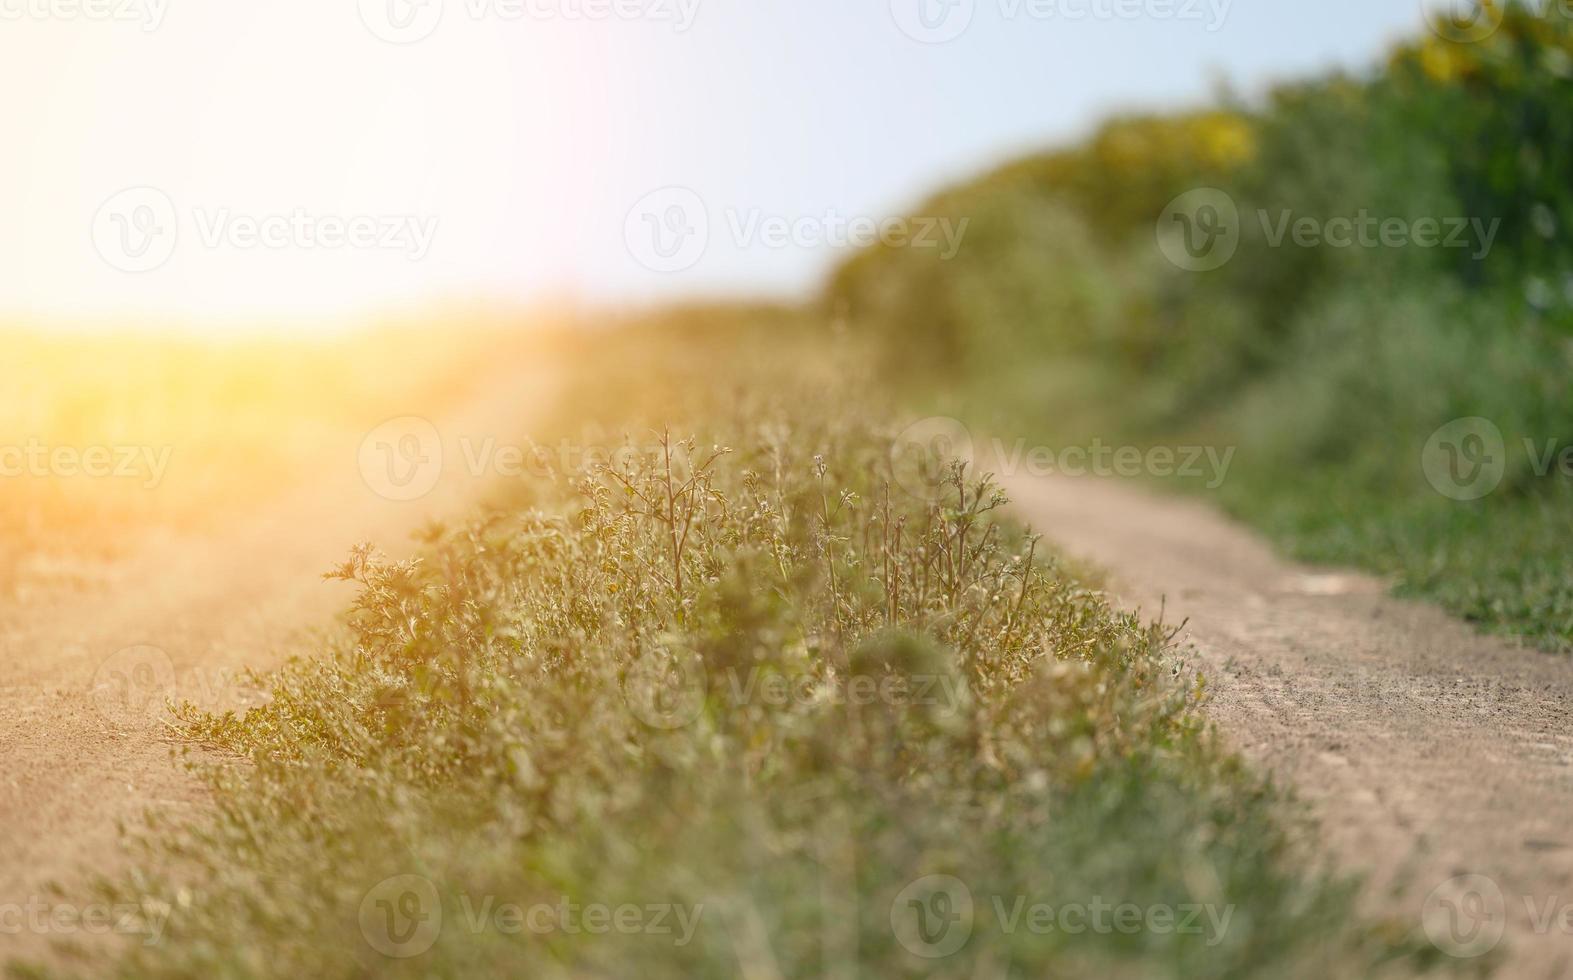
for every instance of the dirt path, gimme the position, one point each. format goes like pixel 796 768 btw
pixel 84 678
pixel 1426 750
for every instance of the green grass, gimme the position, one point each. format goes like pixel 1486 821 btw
pixel 1502 565
pixel 735 682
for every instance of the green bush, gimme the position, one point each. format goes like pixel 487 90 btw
pixel 1328 367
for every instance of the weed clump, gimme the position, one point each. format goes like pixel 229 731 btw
pixel 752 701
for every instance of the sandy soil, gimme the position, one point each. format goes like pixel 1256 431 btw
pixel 1428 752
pixel 85 676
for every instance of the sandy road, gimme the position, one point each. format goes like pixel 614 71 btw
pixel 1428 752
pixel 84 676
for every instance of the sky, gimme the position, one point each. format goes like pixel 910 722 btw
pixel 216 163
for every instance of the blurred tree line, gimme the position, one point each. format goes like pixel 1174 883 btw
pixel 1059 256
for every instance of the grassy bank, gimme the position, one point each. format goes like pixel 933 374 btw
pixel 1372 257
pixel 766 712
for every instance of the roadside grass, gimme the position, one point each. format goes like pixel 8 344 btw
pixel 758 681
pixel 1500 564
pixel 1333 454
pixel 1330 449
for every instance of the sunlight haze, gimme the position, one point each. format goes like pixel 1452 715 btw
pixel 497 155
